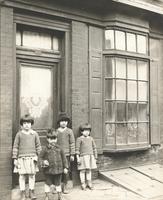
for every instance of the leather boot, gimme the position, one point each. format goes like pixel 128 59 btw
pixel 32 194
pixel 23 195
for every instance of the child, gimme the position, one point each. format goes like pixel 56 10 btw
pixel 67 142
pixel 86 155
pixel 25 154
pixel 54 163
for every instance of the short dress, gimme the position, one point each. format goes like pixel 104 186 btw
pixel 86 149
pixel 27 165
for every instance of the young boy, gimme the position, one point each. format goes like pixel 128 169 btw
pixel 67 142
pixel 54 163
pixel 25 154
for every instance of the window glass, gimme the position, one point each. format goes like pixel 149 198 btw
pixel 110 67
pixel 141 44
pixel 110 111
pixel 132 133
pixel 109 89
pixel 132 111
pixel 143 132
pixel 36 95
pixel 120 40
pixel 142 70
pixel 121 112
pixel 131 69
pixel 36 40
pixel 55 43
pixel 142 90
pixel 120 68
pixel 110 134
pixel 120 90
pixel 18 38
pixel 109 39
pixel 142 114
pixel 132 90
pixel 131 42
pixel 121 133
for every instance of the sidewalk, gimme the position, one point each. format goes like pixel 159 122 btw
pixel 103 190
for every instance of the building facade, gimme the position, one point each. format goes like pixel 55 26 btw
pixel 101 62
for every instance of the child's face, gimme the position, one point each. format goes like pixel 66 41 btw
pixel 63 124
pixel 51 140
pixel 86 133
pixel 26 125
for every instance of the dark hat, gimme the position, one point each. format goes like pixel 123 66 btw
pixel 85 126
pixel 52 134
pixel 26 118
pixel 63 117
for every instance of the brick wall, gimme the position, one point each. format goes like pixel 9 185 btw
pixel 6 100
pixel 79 74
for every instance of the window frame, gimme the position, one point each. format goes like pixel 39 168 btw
pixel 114 53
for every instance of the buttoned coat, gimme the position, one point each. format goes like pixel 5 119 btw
pixel 56 158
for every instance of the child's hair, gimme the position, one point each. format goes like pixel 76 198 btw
pixel 63 117
pixel 51 133
pixel 85 126
pixel 26 118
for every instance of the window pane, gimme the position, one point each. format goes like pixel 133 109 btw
pixel 143 112
pixel 109 89
pixel 132 112
pixel 132 133
pixel 141 44
pixel 132 90
pixel 131 69
pixel 120 68
pixel 109 111
pixel 55 43
pixel 131 42
pixel 120 40
pixel 18 38
pixel 143 132
pixel 37 40
pixel 110 67
pixel 120 90
pixel 142 70
pixel 36 95
pixel 110 134
pixel 121 112
pixel 109 39
pixel 121 134
pixel 142 91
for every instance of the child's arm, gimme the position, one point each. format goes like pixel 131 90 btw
pixel 38 144
pixel 16 146
pixel 78 142
pixel 94 148
pixel 72 145
pixel 42 160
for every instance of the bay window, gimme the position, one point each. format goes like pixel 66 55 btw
pixel 126 91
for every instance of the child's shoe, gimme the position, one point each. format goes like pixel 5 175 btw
pixel 65 189
pixel 83 186
pixel 32 194
pixel 60 196
pixel 47 197
pixel 89 185
pixel 23 197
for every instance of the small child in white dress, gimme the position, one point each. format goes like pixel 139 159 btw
pixel 86 154
pixel 26 149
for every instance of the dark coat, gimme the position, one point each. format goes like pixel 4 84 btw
pixel 56 158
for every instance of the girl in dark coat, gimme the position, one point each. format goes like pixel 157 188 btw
pixel 54 163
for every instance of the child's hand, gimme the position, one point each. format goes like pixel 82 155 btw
pixel 78 160
pixel 72 158
pixel 16 162
pixel 65 171
pixel 45 163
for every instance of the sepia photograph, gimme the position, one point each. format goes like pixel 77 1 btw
pixel 81 99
